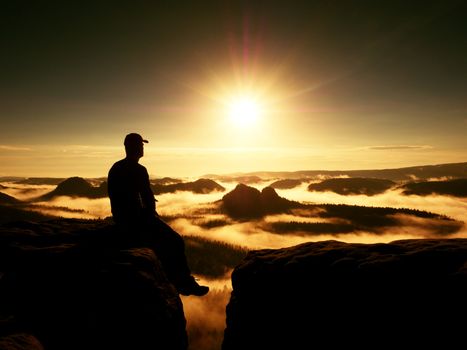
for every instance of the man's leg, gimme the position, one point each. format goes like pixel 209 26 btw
pixel 170 249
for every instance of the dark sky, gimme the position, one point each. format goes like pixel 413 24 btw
pixel 80 71
pixel 81 49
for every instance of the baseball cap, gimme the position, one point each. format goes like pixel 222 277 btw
pixel 134 139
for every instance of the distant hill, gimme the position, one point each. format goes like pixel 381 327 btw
pixel 424 172
pixel 352 186
pixel 287 183
pixel 76 187
pixel 457 188
pixel 244 179
pixel 165 181
pixel 7 199
pixel 40 181
pixel 10 178
pixel 79 187
pixel 200 186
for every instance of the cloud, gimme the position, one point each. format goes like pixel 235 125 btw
pixel 26 192
pixel 87 151
pixel 398 147
pixel 245 234
pixel 194 214
pixel 81 208
pixel 429 228
pixel 14 148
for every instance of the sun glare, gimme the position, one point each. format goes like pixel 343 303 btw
pixel 244 111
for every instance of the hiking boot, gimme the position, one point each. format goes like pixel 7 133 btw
pixel 191 287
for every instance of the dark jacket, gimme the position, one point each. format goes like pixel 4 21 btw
pixel 131 197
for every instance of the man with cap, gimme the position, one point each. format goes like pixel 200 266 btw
pixel 134 210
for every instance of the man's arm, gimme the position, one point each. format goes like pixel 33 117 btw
pixel 147 196
pixel 114 192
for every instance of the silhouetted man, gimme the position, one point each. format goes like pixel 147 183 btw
pixel 134 210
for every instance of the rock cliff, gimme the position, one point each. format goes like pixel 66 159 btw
pixel 327 295
pixel 74 284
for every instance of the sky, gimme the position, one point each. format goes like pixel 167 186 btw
pixel 231 86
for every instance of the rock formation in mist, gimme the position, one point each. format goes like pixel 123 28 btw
pixel 245 202
pixel 353 186
pixel 71 284
pixel 340 295
pixel 76 187
pixel 286 183
pixel 200 186
pixel 455 187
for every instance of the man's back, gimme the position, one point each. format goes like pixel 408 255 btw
pixel 133 206
pixel 131 197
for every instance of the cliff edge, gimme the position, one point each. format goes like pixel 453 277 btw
pixel 72 284
pixel 337 295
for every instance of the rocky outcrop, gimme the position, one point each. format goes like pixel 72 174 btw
pixel 245 202
pixel 336 295
pixel 76 284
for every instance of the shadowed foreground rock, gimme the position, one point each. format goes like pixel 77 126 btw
pixel 330 294
pixel 71 284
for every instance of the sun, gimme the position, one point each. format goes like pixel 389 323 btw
pixel 244 111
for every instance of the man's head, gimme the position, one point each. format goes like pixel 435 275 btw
pixel 134 145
